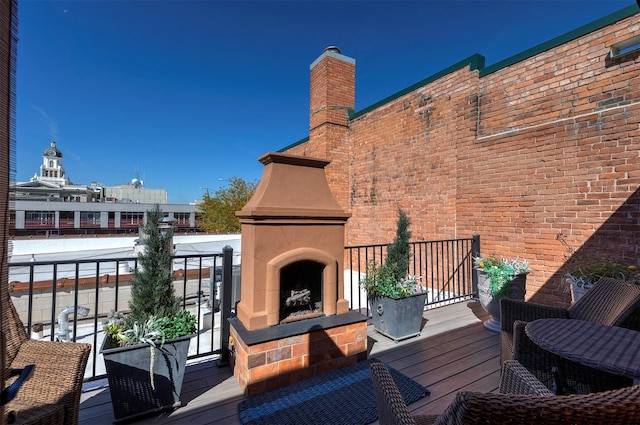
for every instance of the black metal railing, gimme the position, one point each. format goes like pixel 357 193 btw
pixel 48 293
pixel 444 267
pixel 209 287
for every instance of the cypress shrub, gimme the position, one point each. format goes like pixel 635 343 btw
pixel 398 253
pixel 152 292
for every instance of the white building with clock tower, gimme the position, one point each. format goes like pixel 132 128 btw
pixel 51 169
pixel 53 185
pixel 50 204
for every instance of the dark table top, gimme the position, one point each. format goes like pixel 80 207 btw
pixel 607 348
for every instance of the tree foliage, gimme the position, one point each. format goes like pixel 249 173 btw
pixel 217 214
pixel 390 279
pixel 398 254
pixel 152 292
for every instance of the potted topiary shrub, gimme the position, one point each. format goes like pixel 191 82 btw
pixel 499 278
pixel 145 350
pixel 396 299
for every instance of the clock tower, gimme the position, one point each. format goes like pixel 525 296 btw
pixel 51 169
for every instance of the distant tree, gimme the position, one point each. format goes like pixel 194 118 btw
pixel 217 214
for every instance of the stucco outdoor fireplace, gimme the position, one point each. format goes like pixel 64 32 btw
pixel 292 319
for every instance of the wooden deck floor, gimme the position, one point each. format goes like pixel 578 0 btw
pixel 454 352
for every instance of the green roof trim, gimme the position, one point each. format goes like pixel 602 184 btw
pixel 477 61
pixel 564 38
pixel 474 62
pixel 293 145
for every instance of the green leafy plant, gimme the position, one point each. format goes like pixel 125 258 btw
pixel 391 278
pixel 114 325
pixel 184 323
pixel 586 274
pixel 501 272
pixel 153 331
pixel 149 332
pixel 583 271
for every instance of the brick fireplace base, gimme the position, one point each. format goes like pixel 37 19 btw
pixel 270 358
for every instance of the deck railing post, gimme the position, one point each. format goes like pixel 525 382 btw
pixel 225 307
pixel 475 252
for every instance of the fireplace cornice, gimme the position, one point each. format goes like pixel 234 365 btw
pixel 292 188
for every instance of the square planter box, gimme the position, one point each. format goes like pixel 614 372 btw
pixel 132 395
pixel 399 318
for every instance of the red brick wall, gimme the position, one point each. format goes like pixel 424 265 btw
pixel 547 144
pixel 269 365
pixel 557 149
pixel 404 156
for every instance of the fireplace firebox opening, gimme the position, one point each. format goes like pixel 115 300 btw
pixel 301 290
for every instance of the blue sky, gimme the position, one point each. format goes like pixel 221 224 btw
pixel 188 93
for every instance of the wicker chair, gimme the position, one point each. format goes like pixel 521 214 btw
pixel 392 409
pixel 523 400
pixel 51 395
pixel 610 301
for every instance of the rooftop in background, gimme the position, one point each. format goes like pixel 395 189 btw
pixel 81 248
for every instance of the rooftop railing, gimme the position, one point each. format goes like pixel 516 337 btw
pixel 444 269
pixel 71 299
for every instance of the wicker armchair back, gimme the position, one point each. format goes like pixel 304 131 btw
pixel 523 400
pixel 52 394
pixel 392 409
pixel 609 301
pixel 540 407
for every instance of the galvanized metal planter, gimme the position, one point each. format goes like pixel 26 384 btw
pixel 132 394
pixel 400 318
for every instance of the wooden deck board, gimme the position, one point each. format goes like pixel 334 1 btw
pixel 453 353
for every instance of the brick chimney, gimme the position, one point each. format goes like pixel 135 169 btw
pixel 333 88
pixel 332 96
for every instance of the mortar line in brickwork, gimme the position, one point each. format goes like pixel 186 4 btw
pixel 516 130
